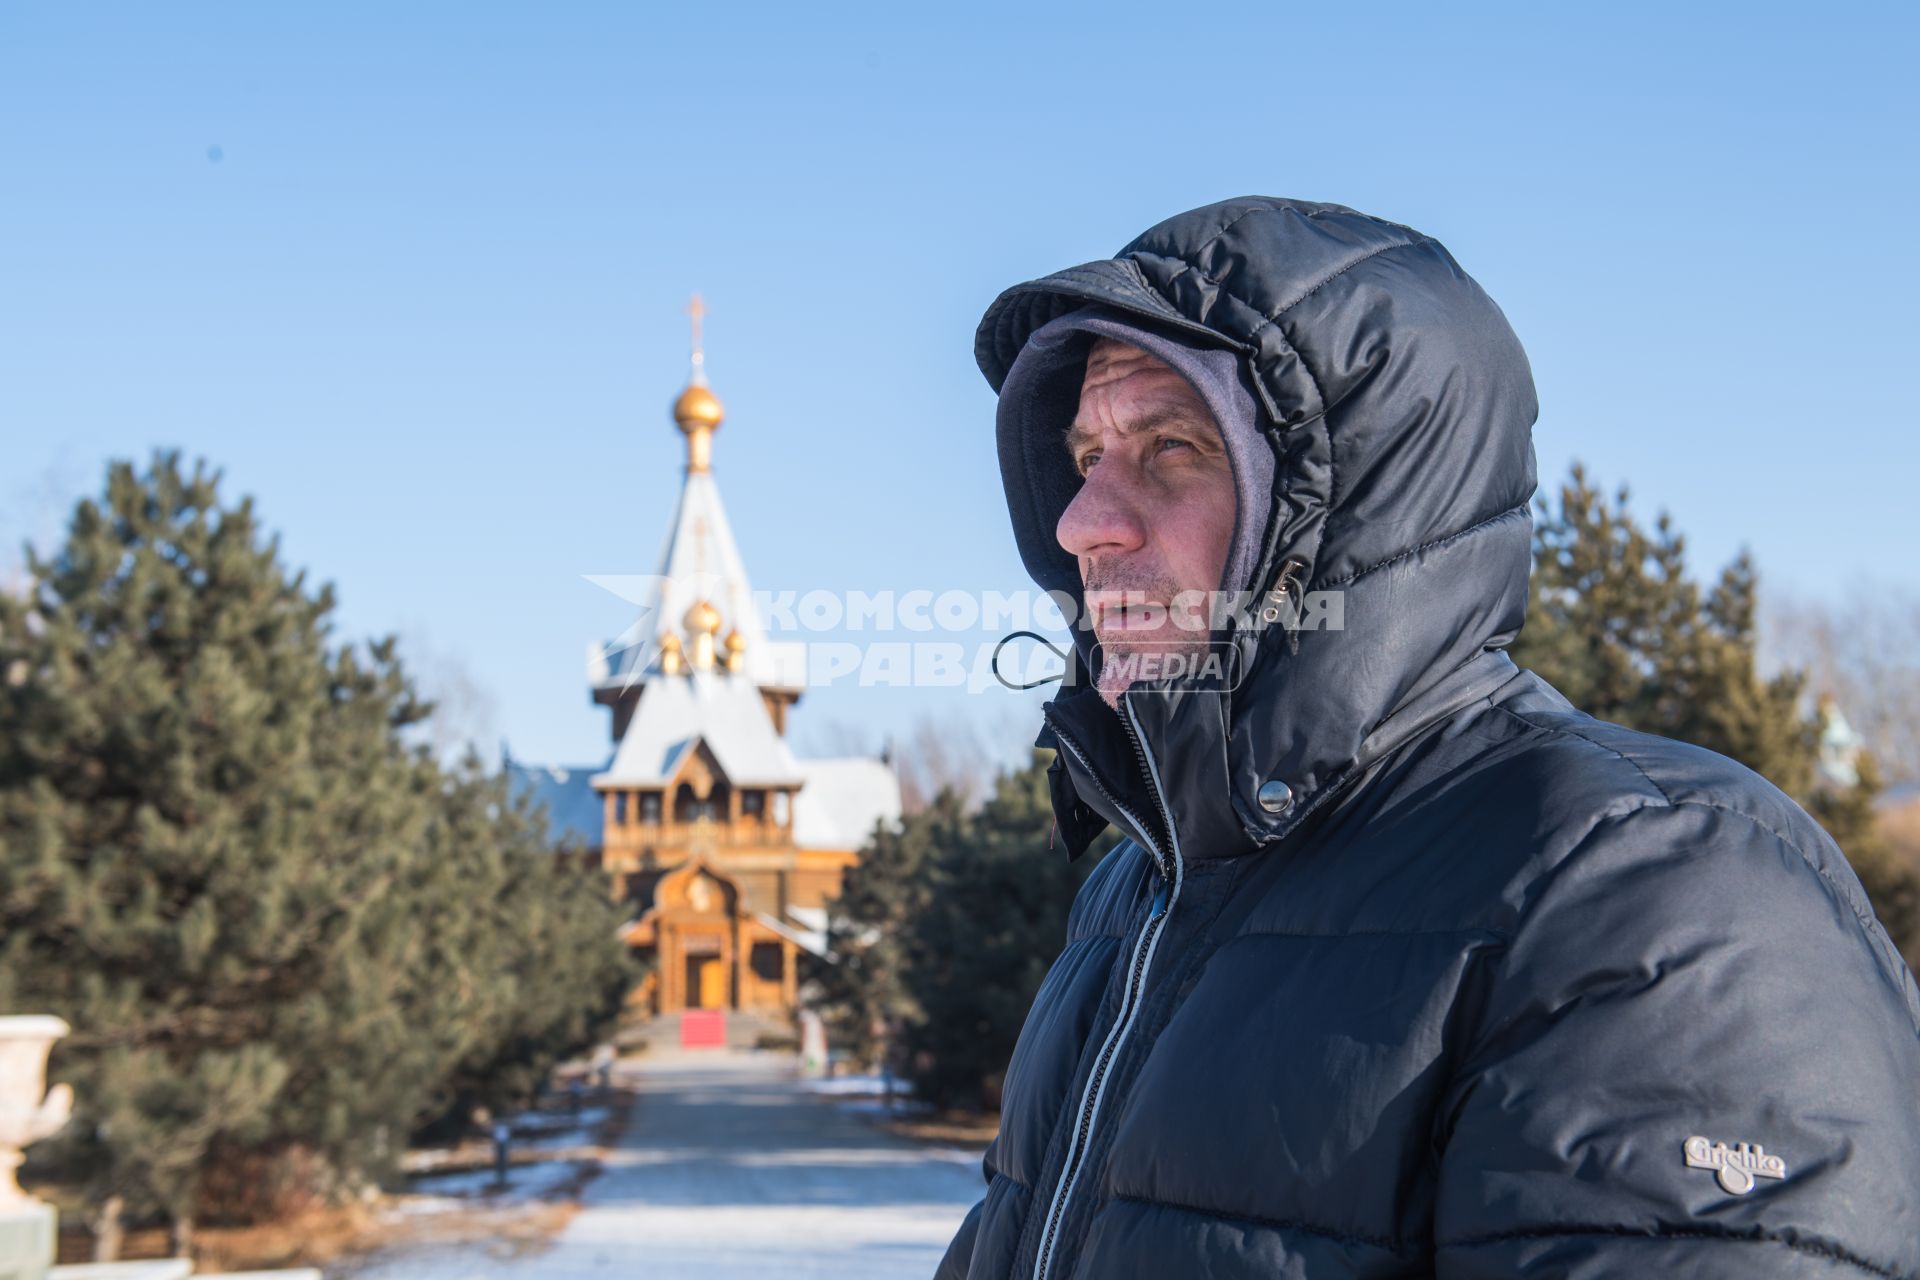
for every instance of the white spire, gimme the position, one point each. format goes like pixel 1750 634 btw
pixel 700 562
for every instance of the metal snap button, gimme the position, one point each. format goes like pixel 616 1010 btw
pixel 1275 796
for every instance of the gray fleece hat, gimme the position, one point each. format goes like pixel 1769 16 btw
pixel 1038 402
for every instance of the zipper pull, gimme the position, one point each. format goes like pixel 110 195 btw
pixel 1281 599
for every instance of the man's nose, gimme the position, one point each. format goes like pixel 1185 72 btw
pixel 1103 518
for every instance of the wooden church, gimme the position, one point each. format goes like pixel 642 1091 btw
pixel 725 844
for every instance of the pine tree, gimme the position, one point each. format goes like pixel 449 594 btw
pixel 943 932
pixel 224 865
pixel 992 925
pixel 864 991
pixel 1850 815
pixel 1615 622
pixel 544 921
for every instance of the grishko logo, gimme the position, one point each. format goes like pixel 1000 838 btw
pixel 922 638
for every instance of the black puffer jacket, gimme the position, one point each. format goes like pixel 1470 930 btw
pixel 1490 988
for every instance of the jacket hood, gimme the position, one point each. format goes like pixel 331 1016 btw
pixel 1399 406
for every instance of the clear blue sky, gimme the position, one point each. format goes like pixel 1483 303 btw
pixel 427 302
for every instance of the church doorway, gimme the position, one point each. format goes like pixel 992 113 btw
pixel 706 982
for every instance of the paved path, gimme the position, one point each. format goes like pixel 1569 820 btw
pixel 728 1171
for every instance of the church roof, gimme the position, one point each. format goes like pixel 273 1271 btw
pixel 841 801
pixel 720 708
pixel 811 940
pixel 835 808
pixel 700 562
pixel 574 808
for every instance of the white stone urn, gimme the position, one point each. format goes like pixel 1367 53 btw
pixel 28 1112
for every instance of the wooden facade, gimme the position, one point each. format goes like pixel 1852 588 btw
pixel 712 897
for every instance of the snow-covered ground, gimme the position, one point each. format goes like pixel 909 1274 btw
pixel 857 1085
pixel 449 1191
pixel 564 1137
pixel 730 1169
pixel 869 1095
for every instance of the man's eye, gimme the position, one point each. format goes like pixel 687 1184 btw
pixel 1087 460
pixel 1160 446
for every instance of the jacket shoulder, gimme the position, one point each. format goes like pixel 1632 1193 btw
pixel 1605 801
pixel 1603 766
pixel 1474 823
pixel 1588 770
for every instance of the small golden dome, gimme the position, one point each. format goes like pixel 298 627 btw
pixel 672 660
pixel 697 407
pixel 735 642
pixel 703 618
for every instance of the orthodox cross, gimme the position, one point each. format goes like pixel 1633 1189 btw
pixel 696 309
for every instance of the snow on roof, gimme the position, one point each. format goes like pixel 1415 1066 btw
pixel 838 802
pixel 700 562
pixel 814 919
pixel 722 709
pixel 841 801
pixel 573 806
pixel 806 939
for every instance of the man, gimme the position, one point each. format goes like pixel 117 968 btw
pixel 1407 967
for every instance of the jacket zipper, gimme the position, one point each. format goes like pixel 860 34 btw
pixel 1164 898
pixel 1146 771
pixel 1146 832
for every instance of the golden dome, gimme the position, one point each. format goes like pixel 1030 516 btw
pixel 703 618
pixel 698 407
pixel 672 660
pixel 735 642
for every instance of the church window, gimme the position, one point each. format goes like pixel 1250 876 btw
pixel 766 961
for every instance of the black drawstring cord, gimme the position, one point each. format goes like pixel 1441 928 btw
pixel 1032 684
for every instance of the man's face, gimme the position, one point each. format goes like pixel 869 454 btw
pixel 1155 515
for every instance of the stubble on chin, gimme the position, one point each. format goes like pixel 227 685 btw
pixel 1121 656
pixel 1120 647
